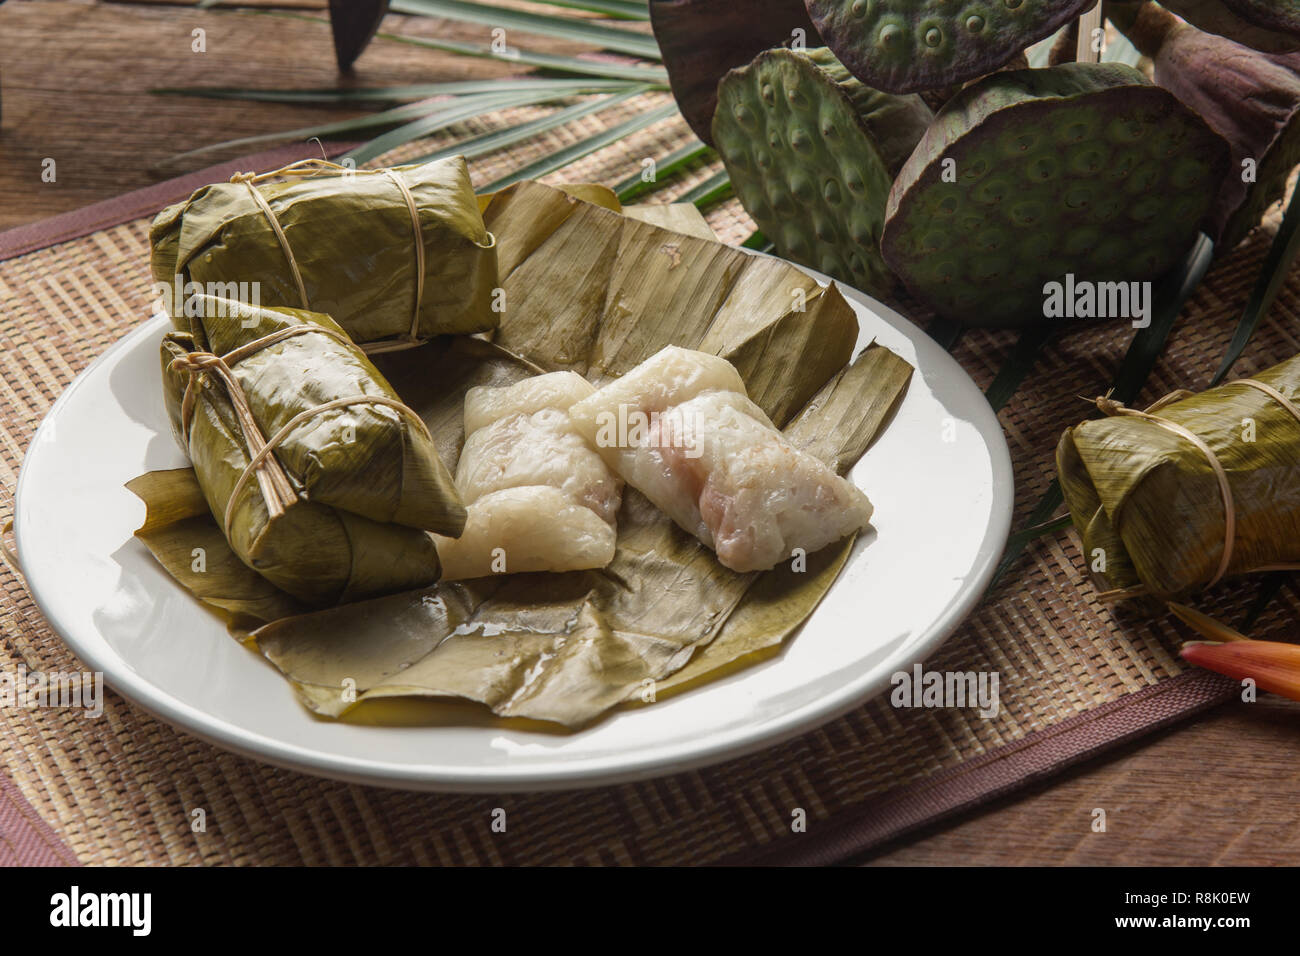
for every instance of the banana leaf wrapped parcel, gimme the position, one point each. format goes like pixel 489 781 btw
pixel 321 479
pixel 393 256
pixel 1196 489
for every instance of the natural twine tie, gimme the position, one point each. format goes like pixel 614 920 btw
pixel 277 491
pixel 1113 408
pixel 319 167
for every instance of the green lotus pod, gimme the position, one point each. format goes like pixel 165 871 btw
pixel 1031 176
pixel 1272 26
pixel 812 154
pixel 700 40
pixel 904 46
pixel 1251 99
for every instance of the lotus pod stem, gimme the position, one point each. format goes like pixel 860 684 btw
pixel 1250 98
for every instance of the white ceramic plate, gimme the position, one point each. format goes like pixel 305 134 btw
pixel 940 478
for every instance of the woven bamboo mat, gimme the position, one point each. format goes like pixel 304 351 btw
pixel 1074 677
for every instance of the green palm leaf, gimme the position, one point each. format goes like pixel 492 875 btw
pixel 395 94
pixel 617 9
pixel 354 124
pixel 564 28
pixel 947 333
pixel 575 151
pixel 466 107
pixel 551 62
pixel 710 192
pixel 1019 364
pixel 1134 370
pixel 499 139
pixel 545 61
pixel 1281 256
pixel 666 169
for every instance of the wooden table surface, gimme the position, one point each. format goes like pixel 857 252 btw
pixel 76 76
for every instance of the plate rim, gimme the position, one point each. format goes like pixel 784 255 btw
pixel 606 770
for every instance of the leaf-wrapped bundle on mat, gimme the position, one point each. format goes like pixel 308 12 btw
pixel 591 291
pixel 344 243
pixel 348 476
pixel 1175 499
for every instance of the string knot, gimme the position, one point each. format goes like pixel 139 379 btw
pixel 1108 406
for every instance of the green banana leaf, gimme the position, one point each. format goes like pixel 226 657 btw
pixel 588 289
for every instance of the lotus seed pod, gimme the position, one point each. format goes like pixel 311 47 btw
pixel 1251 99
pixel 1030 176
pixel 812 154
pixel 701 40
pixel 1272 26
pixel 905 46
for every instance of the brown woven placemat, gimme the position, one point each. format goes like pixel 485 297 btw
pixel 1075 678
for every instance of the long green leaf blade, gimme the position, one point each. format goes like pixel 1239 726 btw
pixel 545 61
pixel 1149 343
pixel 463 109
pixel 709 192
pixel 1134 370
pixel 947 333
pixel 564 28
pixel 499 139
pixel 552 62
pixel 561 158
pixel 324 130
pixel 1281 256
pixel 665 171
pixel 619 9
pixel 1019 364
pixel 395 94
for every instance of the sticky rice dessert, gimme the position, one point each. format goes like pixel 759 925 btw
pixel 681 430
pixel 537 497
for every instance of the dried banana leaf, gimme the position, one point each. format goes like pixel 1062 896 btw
pixel 590 290
pixel 365 476
pixel 566 647
pixel 682 217
pixel 1146 500
pixel 223 240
